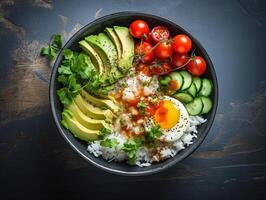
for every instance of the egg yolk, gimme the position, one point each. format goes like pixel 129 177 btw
pixel 167 115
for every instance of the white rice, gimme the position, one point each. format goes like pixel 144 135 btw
pixel 143 159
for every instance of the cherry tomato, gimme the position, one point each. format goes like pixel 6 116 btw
pixel 139 28
pixel 161 68
pixel 144 68
pixel 197 66
pixel 164 50
pixel 145 52
pixel 182 44
pixel 148 38
pixel 159 33
pixel 179 60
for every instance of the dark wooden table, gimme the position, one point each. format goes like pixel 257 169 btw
pixel 36 163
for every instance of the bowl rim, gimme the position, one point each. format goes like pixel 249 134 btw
pixel 174 159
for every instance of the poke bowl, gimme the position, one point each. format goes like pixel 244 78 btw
pixel 133 93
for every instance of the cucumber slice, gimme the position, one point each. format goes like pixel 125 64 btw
pixel 184 97
pixel 187 80
pixel 195 107
pixel 197 82
pixel 192 90
pixel 206 88
pixel 207 104
pixel 177 76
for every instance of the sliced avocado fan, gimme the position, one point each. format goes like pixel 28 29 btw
pixel 113 36
pixel 108 53
pixel 79 131
pixel 90 110
pixel 96 60
pixel 112 54
pixel 127 43
pixel 86 120
pixel 105 103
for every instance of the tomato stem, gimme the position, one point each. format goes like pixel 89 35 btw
pixel 191 58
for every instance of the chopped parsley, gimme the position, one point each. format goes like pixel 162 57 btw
pixel 141 106
pixel 131 147
pixel 104 132
pixel 153 134
pixel 109 143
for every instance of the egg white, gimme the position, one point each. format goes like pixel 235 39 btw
pixel 174 133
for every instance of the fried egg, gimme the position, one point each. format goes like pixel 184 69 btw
pixel 172 117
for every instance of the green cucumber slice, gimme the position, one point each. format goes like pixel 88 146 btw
pixel 206 88
pixel 195 107
pixel 187 80
pixel 177 76
pixel 184 97
pixel 207 104
pixel 197 82
pixel 192 90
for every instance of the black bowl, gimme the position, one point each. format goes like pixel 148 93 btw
pixel 124 19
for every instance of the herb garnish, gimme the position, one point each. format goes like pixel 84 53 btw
pixel 109 142
pixel 131 147
pixel 154 133
pixel 53 48
pixel 75 73
pixel 104 132
pixel 141 106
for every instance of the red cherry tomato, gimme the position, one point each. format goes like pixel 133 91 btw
pixel 138 28
pixel 164 50
pixel 197 66
pixel 179 60
pixel 144 68
pixel 161 68
pixel 159 33
pixel 148 38
pixel 145 52
pixel 182 44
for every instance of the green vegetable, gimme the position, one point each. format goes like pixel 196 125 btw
pixel 131 147
pixel 75 73
pixel 141 106
pixel 104 132
pixel 65 96
pixel 164 81
pixel 53 48
pixel 110 143
pixel 153 134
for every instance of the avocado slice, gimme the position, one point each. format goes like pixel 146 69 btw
pixel 127 43
pixel 86 121
pixel 100 102
pixel 92 111
pixel 108 53
pixel 96 60
pixel 79 131
pixel 111 33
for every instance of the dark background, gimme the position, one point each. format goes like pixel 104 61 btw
pixel 35 161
